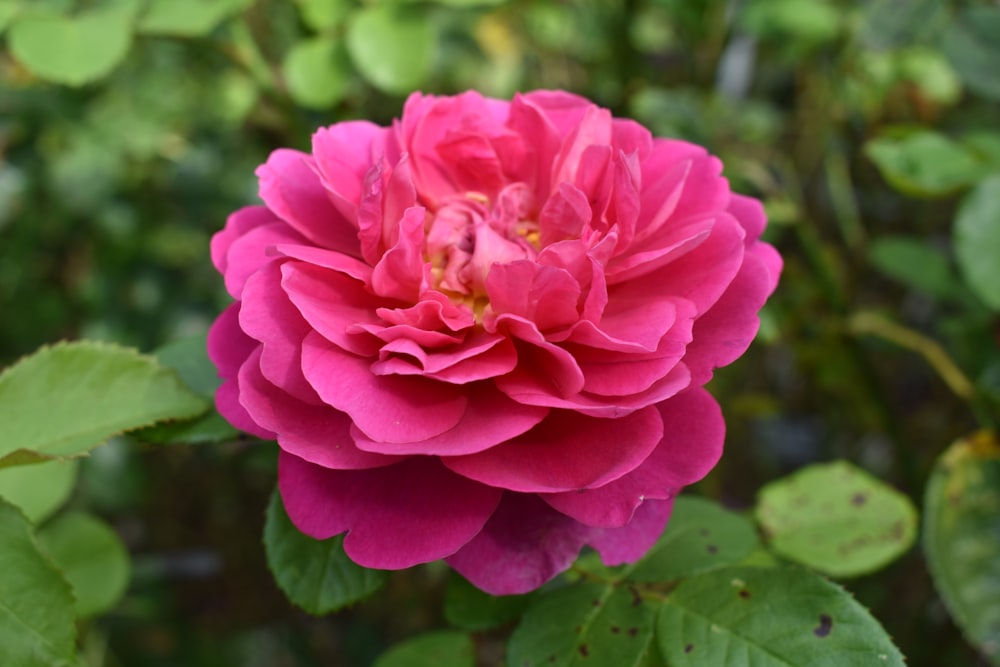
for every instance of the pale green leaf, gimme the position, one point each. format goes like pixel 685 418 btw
pixel 977 240
pixel 317 72
pixel 73 50
pixel 8 10
pixel 392 47
pixel 91 556
pixel 769 617
pixel 586 624
pixel 316 575
pixel 962 537
pixel 324 15
pixel 433 649
pixel 188 18
pixel 36 606
pixel 836 518
pixel 66 399
pixel 39 489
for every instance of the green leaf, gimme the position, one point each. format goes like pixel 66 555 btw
pixel 885 24
pixel 972 46
pixel 433 649
pixel 700 536
pixel 73 50
pixel 925 163
pixel 188 357
pixel 836 518
pixel 92 557
pixel 914 263
pixel 961 529
pixel 467 3
pixel 8 10
pixel 317 72
pixel 316 575
pixel 586 624
pixel 66 399
pixel 188 18
pixel 36 606
pixel 468 608
pixel 39 489
pixel 392 47
pixel 806 21
pixel 769 617
pixel 977 240
pixel 324 15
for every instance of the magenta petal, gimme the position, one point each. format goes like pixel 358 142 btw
pixel 630 543
pixel 399 274
pixel 567 451
pixel 398 516
pixel 491 418
pixel 238 224
pixel 290 188
pixel 227 402
pixel 343 153
pixel 523 545
pixel 228 347
pixel 317 433
pixel 250 252
pixel 691 446
pixel 388 408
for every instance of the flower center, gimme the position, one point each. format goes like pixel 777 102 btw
pixel 466 237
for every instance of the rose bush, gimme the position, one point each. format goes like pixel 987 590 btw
pixel 481 334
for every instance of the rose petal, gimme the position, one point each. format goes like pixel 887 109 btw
pixel 388 408
pixel 694 431
pixel 397 516
pixel 567 451
pixel 237 224
pixel 631 542
pixel 523 545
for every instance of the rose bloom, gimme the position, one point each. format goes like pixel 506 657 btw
pixel 481 334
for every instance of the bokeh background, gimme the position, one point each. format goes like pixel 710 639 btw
pixel 866 127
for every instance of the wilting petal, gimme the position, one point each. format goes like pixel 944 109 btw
pixel 397 516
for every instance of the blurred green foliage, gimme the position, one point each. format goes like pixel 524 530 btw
pixel 130 129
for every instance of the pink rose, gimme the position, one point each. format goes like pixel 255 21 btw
pixel 481 334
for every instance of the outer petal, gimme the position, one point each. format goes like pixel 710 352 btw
pixel 630 543
pixel 396 517
pixel 237 224
pixel 567 451
pixel 692 444
pixel 525 544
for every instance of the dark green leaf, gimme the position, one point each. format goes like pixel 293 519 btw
pixel 972 46
pixel 769 617
pixel 887 24
pixel 433 649
pixel 316 575
pixel 392 47
pixel 66 399
pixel 468 608
pixel 586 624
pixel 36 606
pixel 977 240
pixel 39 489
pixel 91 556
pixel 925 163
pixel 72 49
pixel 836 518
pixel 962 537
pixel 700 536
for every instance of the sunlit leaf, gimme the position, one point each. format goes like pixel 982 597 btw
pixel 392 47
pixel 769 617
pixel 317 72
pixel 39 489
pixel 977 240
pixel 433 649
pixel 586 624
pixel 188 18
pixel 36 606
pixel 68 398
pixel 72 49
pixel 316 575
pixel 962 537
pixel 91 556
pixel 323 15
pixel 836 518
